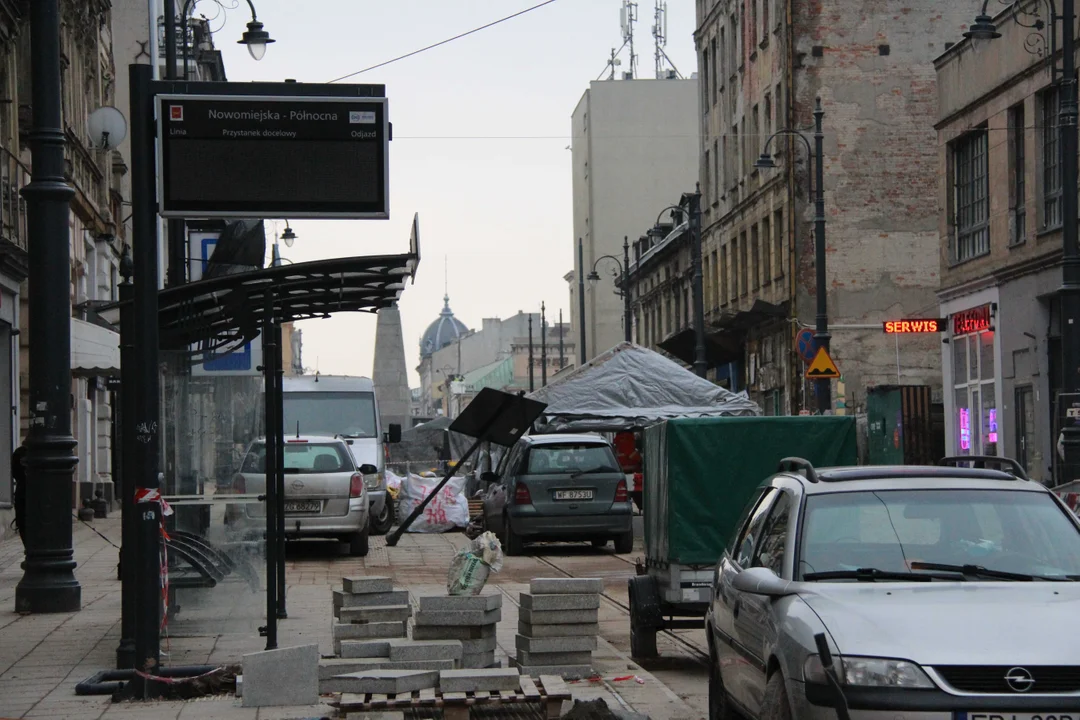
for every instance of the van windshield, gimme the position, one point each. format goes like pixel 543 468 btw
pixel 351 414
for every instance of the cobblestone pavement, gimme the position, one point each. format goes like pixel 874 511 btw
pixel 43 657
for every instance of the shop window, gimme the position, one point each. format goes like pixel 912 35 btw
pixel 975 413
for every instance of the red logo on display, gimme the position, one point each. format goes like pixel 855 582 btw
pixel 971 321
pixel 176 112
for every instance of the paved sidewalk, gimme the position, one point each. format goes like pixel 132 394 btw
pixel 43 657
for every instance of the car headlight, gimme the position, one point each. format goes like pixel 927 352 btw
pixel 372 482
pixel 869 672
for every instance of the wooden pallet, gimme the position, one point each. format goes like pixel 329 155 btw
pixel 549 691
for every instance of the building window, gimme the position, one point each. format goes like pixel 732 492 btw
pixel 765 21
pixel 706 279
pixel 781 118
pixel 714 296
pixel 971 192
pixel 733 62
pixel 723 56
pixel 733 157
pixel 755 258
pixel 715 80
pixel 744 150
pixel 778 242
pixel 768 116
pixel 742 33
pixel 709 192
pixel 724 297
pixel 719 192
pixel 743 284
pixel 766 253
pixel 755 130
pixel 974 394
pixel 1018 132
pixel 753 24
pixel 734 269
pixel 1051 156
pixel 705 81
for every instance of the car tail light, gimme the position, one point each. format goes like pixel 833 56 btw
pixel 356 485
pixel 239 485
pixel 620 492
pixel 521 495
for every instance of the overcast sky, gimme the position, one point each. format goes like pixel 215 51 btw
pixel 480 149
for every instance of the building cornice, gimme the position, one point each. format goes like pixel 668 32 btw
pixel 1002 275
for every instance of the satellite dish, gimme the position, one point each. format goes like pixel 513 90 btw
pixel 107 128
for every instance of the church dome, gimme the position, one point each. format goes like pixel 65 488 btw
pixel 443 331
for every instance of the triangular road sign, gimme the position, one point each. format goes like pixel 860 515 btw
pixel 822 367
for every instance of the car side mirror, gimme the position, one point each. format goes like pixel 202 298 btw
pixel 489 477
pixel 393 434
pixel 368 469
pixel 762 581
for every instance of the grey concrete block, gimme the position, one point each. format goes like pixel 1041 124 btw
pixel 581 643
pixel 556 617
pixel 479 680
pixel 376 613
pixel 425 649
pixel 362 648
pixel 286 676
pixel 239 686
pixel 351 631
pixel 559 602
pixel 478 660
pixel 385 681
pixel 480 645
pixel 367 585
pixel 577 630
pixel 566 586
pixel 470 617
pixel 554 658
pixel 379 715
pixel 333 667
pixel 442 632
pixel 568 672
pixel 344 599
pixel 460 603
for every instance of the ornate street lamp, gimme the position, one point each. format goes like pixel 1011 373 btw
pixel 622 287
pixel 817 190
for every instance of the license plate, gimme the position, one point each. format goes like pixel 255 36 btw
pixel 303 506
pixel 1016 716
pixel 573 494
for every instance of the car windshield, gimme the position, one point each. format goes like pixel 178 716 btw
pixel 330 413
pixel 302 457
pixel 892 531
pixel 571 458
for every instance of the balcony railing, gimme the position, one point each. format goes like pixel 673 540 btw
pixel 14 176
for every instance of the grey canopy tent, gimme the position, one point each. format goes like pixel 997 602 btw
pixel 631 387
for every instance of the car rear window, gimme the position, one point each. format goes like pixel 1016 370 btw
pixel 303 458
pixel 571 458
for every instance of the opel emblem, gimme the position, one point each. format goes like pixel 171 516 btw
pixel 1019 679
pixel 297 484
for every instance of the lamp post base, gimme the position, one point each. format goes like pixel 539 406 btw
pixel 48 592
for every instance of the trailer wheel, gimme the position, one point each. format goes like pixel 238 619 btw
pixel 644 607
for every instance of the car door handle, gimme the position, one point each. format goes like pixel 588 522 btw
pixel 735 609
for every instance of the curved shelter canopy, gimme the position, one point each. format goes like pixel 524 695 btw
pixel 631 387
pixel 216 315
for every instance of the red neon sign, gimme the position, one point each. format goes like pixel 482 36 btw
pixel 971 321
pixel 925 325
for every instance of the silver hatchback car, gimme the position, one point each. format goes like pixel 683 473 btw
pixel 325 495
pixel 942 593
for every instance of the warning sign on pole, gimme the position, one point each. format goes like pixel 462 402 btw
pixel 822 367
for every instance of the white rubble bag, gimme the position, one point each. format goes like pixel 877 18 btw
pixel 473 563
pixel 447 510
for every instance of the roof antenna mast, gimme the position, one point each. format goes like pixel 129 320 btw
pixel 627 17
pixel 665 69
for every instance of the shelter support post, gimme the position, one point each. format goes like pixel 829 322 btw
pixel 270 421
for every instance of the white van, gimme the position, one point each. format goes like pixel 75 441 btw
pixel 345 407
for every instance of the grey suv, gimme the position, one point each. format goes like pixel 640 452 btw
pixel 942 592
pixel 559 487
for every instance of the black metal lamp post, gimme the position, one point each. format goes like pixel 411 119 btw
pixel 817 190
pixel 48 583
pixel 543 345
pixel 622 288
pixel 691 203
pixel 582 354
pixel 983 30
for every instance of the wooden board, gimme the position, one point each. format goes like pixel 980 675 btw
pixel 549 690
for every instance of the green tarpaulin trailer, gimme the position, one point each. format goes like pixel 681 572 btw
pixel 699 475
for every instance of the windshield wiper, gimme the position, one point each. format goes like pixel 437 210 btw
pixel 981 572
pixel 868 575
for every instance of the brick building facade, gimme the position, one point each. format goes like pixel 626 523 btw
pixel 762 65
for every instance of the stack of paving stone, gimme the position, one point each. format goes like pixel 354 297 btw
pixel 368 608
pixel 468 619
pixel 558 623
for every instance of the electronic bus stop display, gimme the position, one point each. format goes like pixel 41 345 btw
pixel 225 156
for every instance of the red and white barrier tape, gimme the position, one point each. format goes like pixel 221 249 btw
pixel 175 680
pixel 153 495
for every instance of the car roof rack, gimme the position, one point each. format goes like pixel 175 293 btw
pixel 795 464
pixel 981 462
